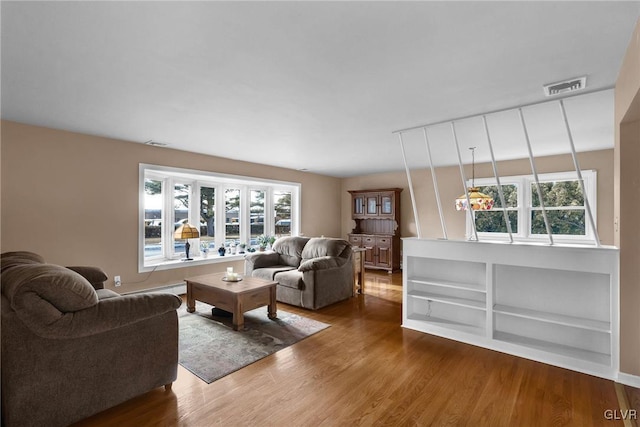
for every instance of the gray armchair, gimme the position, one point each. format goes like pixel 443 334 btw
pixel 71 348
pixel 311 272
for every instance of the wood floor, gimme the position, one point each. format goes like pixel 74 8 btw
pixel 367 370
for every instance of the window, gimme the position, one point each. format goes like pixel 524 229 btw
pixel 232 215
pixel 153 245
pixel 282 215
pixel 563 200
pixel 257 214
pixel 493 221
pixel 208 216
pixel 227 209
pixel 181 194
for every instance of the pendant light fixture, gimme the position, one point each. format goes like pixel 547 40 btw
pixel 479 201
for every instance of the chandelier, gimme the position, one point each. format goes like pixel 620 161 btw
pixel 479 201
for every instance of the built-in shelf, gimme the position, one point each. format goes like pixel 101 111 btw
pixel 449 324
pixel 551 303
pixel 560 319
pixel 448 284
pixel 463 302
pixel 563 350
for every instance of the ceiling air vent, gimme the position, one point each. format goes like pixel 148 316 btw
pixel 156 143
pixel 570 85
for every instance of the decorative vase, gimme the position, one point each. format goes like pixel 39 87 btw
pixel 221 251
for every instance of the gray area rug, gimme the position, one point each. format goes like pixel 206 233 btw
pixel 211 349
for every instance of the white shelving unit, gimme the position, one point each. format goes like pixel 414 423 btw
pixel 554 304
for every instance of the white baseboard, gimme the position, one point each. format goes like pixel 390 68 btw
pixel 628 379
pixel 178 289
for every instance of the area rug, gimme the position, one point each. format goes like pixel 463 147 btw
pixel 211 349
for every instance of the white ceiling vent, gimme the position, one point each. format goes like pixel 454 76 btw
pixel 156 143
pixel 570 85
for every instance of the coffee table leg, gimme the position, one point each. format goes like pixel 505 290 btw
pixel 273 308
pixel 238 316
pixel 191 302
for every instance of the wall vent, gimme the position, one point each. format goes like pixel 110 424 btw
pixel 570 85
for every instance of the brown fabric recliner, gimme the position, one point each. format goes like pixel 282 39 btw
pixel 71 348
pixel 311 272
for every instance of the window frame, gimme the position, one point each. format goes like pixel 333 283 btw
pixel 163 216
pixel 525 208
pixel 197 179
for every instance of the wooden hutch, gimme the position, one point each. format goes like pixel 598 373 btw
pixel 377 217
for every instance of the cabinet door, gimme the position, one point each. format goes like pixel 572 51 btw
pixel 383 245
pixel 358 206
pixel 369 244
pixel 372 204
pixel 386 205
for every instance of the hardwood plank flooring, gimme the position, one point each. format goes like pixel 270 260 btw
pixel 366 370
pixel 633 400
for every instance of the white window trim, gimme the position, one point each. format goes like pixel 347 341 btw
pixel 197 179
pixel 523 182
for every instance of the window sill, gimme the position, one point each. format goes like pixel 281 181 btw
pixel 179 263
pixel 538 240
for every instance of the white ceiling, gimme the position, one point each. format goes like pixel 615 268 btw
pixel 314 85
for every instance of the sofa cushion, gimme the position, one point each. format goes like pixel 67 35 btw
pixel 262 259
pixel 106 293
pixel 94 275
pixel 290 279
pixel 290 249
pixel 321 263
pixel 322 246
pixel 11 259
pixel 269 273
pixel 64 289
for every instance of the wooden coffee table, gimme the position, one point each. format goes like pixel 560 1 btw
pixel 235 297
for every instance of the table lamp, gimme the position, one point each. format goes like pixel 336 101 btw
pixel 185 232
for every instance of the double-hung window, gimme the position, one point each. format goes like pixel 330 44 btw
pixel 564 204
pixel 228 210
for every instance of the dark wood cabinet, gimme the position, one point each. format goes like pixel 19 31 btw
pixel 369 245
pixel 377 217
pixel 384 249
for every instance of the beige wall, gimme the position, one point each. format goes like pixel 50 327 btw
pixel 450 187
pixel 73 198
pixel 627 202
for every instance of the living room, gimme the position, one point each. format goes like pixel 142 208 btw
pixel 72 194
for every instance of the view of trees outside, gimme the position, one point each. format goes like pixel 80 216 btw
pixel 282 207
pixel 232 217
pixel 564 203
pixel 208 214
pixel 493 221
pixel 256 211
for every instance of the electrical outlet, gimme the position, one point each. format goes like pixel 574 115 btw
pixel 117 281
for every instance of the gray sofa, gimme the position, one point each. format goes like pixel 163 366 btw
pixel 311 272
pixel 71 348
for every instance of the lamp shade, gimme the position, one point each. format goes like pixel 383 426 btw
pixel 479 201
pixel 186 231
